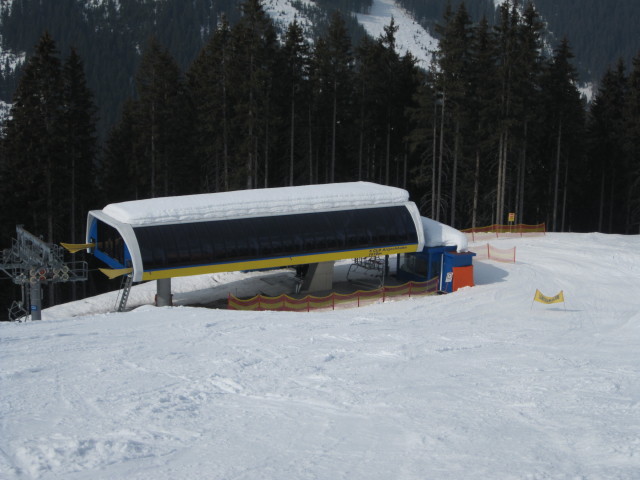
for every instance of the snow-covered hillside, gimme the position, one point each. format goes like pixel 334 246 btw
pixel 411 37
pixel 479 384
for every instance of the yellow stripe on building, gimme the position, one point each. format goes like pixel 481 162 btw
pixel 276 262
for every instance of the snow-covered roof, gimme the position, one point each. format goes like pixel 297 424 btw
pixel 251 203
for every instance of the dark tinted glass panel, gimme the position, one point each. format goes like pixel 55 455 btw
pixel 110 242
pixel 189 244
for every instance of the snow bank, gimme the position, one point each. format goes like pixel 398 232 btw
pixel 437 234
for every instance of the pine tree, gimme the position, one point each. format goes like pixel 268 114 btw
pixel 632 146
pixel 251 73
pixel 366 86
pixel 483 115
pixel 507 37
pixel 48 149
pixel 565 119
pixel 454 62
pixel 80 144
pixel 161 128
pixel 33 146
pixel 296 63
pixel 526 75
pixel 119 180
pixel 606 141
pixel 209 89
pixel 333 80
pixel 422 138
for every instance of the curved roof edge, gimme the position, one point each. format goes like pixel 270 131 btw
pixel 127 234
pixel 258 202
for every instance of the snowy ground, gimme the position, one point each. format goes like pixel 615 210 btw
pixel 479 384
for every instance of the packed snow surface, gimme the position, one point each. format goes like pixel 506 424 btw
pixel 479 384
pixel 248 203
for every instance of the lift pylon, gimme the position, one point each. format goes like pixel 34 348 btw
pixel 32 262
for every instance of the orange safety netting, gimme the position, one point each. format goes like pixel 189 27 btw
pixel 489 252
pixel 339 300
pixel 504 231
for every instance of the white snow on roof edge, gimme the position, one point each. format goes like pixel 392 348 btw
pixel 437 234
pixel 258 202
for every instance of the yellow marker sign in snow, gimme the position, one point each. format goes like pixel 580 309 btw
pixel 559 298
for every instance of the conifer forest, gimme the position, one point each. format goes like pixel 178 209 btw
pixel 495 125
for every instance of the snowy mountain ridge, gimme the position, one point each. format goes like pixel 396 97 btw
pixel 411 36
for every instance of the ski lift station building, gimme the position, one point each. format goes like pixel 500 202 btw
pixel 161 238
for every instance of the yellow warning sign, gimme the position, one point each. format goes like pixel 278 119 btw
pixel 559 298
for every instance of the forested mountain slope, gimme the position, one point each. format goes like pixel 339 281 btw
pixel 600 31
pixel 110 34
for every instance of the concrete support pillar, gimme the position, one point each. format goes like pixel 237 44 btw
pixel 318 278
pixel 163 296
pixel 35 298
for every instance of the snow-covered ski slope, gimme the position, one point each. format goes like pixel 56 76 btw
pixel 411 36
pixel 478 384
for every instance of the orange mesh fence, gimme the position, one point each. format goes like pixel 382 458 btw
pixel 295 304
pixel 504 231
pixel 481 251
pixel 335 300
pixel 489 252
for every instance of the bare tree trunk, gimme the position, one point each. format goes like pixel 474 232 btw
pixel 476 189
pixel 433 166
pixel 293 118
pixel 332 172
pixel 564 194
pixel 500 174
pixel 439 189
pixel 165 174
pixel 310 149
pixel 455 173
pixel 49 177
pixel 73 214
pixel 361 142
pixel 387 154
pixel 266 155
pixel 503 193
pixel 404 173
pixel 251 141
pixel 601 212
pixel 153 150
pixel 521 177
pixel 225 127
pixel 557 178
pixel 611 202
